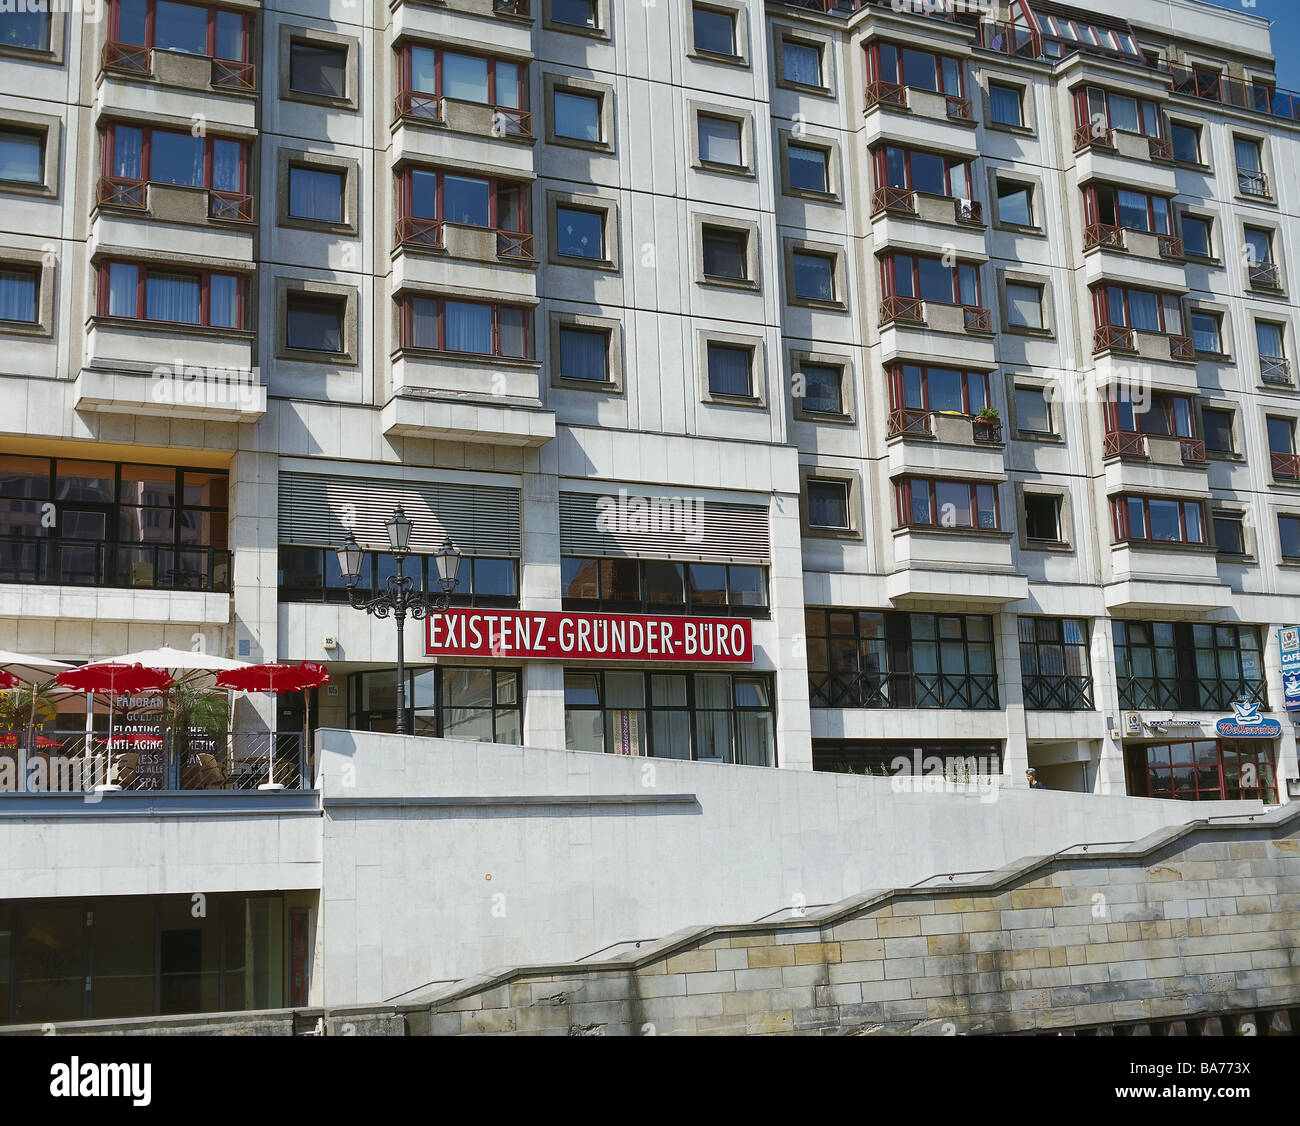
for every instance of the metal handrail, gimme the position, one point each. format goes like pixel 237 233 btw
pixel 890 198
pixel 150 566
pixel 1114 336
pixel 1086 136
pixel 419 105
pixel 1124 443
pixel 1103 234
pixel 234 74
pixel 895 308
pixel 886 93
pixel 120 191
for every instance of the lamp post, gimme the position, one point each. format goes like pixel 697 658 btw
pixel 400 598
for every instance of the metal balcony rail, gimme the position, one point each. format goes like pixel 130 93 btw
pixel 1117 337
pixel 125 57
pixel 512 8
pixel 1008 38
pixel 977 318
pixel 908 309
pixel 1181 347
pixel 117 191
pixel 893 199
pixel 1265 275
pixel 69 562
pixel 1275 369
pixel 421 232
pixel 1256 97
pixel 418 105
pixel 1160 148
pixel 1086 137
pixel 1286 466
pixel 1251 181
pixel 1142 693
pixel 507 121
pixel 959 109
pixel 72 762
pixel 232 207
pixel 886 93
pixel 969 211
pixel 1124 443
pixel 1171 246
pixel 231 74
pixel 974 691
pixel 1045 693
pixel 909 420
pixel 1193 449
pixel 986 431
pixel 1103 234
pixel 515 244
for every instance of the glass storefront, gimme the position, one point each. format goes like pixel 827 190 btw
pixel 450 702
pixel 1203 770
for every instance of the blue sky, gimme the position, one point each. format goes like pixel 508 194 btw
pixel 1285 15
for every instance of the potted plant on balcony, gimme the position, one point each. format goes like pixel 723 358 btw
pixel 986 425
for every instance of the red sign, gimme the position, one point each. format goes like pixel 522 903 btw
pixel 552 636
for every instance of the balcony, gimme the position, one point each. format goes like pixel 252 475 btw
pixel 945 426
pixel 930 443
pixel 480 244
pixel 1264 275
pixel 922 118
pixel 948 333
pixel 972 692
pixel 1166 579
pixel 1115 156
pixel 177 68
pixel 1285 466
pixel 908 218
pixel 1158 148
pixel 1088 137
pixel 1145 345
pixel 430 403
pixel 1275 369
pixel 172 391
pixel 420 108
pixel 1252 182
pixel 174 203
pixel 123 355
pixel 45 561
pixel 1057 693
pixel 1197 694
pixel 1122 255
pixel 1254 97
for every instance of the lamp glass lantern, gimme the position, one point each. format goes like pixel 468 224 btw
pixel 399 531
pixel 448 561
pixel 350 557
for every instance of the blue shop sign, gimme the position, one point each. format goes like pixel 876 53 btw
pixel 1247 724
pixel 1289 642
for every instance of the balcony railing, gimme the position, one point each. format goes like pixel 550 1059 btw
pixel 230 74
pixel 69 562
pixel 1193 450
pixel 1140 693
pixel 903 690
pixel 1252 96
pixel 1117 337
pixel 1286 466
pixel 908 309
pixel 1160 148
pixel 1057 693
pixel 232 207
pixel 1181 347
pixel 1265 275
pixel 125 57
pixel 1124 443
pixel 959 109
pixel 1275 369
pixel 1171 246
pixel 969 211
pixel 44 761
pixel 515 244
pixel 977 318
pixel 1251 181
pixel 1103 234
pixel 420 232
pixel 909 420
pixel 1086 137
pixel 417 105
pixel 893 199
pixel 518 8
pixel 915 421
pixel 986 431
pixel 510 122
pixel 886 93
pixel 117 191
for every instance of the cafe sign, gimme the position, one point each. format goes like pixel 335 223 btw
pixel 560 636
pixel 1247 724
pixel 1289 642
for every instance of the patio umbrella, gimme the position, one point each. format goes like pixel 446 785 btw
pixel 34 670
pixel 273 678
pixel 9 680
pixel 112 678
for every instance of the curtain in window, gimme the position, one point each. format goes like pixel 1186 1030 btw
pixel 314 194
pixel 127 144
pixel 1132 210
pixel 17 295
pixel 464 77
pixel 1144 308
pixel 814 277
pixel 225 166
pixel 729 371
pixel 583 355
pixel 945 390
pixel 424 323
pixel 177 158
pixel 422 69
pixel 801 64
pixel 223 301
pixel 719 140
pixel 953 502
pixel 171 297
pixel 513 331
pixel 122 289
pixel 469 327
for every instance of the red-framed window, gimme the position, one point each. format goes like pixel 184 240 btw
pixel 1204 770
pixel 921 70
pixel 1141 309
pixel 484 328
pixel 928 388
pixel 1123 207
pixel 194 29
pixel 170 156
pixel 918 171
pixel 929 502
pixel 465 76
pixel 1156 413
pixel 919 275
pixel 451 196
pixel 1150 519
pixel 1109 109
pixel 170 295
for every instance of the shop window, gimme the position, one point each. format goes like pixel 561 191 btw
pixel 1054 669
pixel 1204 770
pixel 1199 667
pixel 959 761
pixel 311 574
pixel 449 702
pixel 649 586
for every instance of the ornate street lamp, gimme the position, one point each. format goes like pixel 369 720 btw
pixel 400 598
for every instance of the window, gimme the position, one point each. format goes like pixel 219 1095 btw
pixel 189 28
pixel 1043 517
pixel 720 141
pixel 814 276
pixel 1281 444
pixel 1196 236
pixel 25 27
pixel 725 253
pixel 828 504
pixel 311 574
pixel 482 79
pixel 455 703
pixel 1120 207
pixel 1186 140
pixel 1270 339
pixel 914 387
pixel 801 62
pixel 317 69
pixel 1024 305
pixel 1259 245
pixel 118 525
pixel 584 354
pixel 914 275
pixel 1141 309
pixel 193 297
pixel 480 328
pixel 927 502
pixel 707 717
pixel 1015 203
pixel 715 31
pixel 314 324
pixel 577 116
pixel 580 233
pixel 576 13
pixel 1054 669
pixel 1033 411
pixel 919 171
pixel 472 201
pixel 315 194
pixel 1217 426
pixel 1196 666
pixel 1092 105
pixel 1158 413
pixel 730 370
pixel 1288 530
pixel 809 170
pixel 22 156
pixel 1229 533
pixel 1156 520
pixel 921 70
pixel 1203 770
pixel 1251 179
pixel 823 389
pixel 663 587
pixel 1206 335
pixel 1005 104
pixel 18 295
pixel 162 156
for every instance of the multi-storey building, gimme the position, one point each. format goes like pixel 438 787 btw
pixel 947 357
